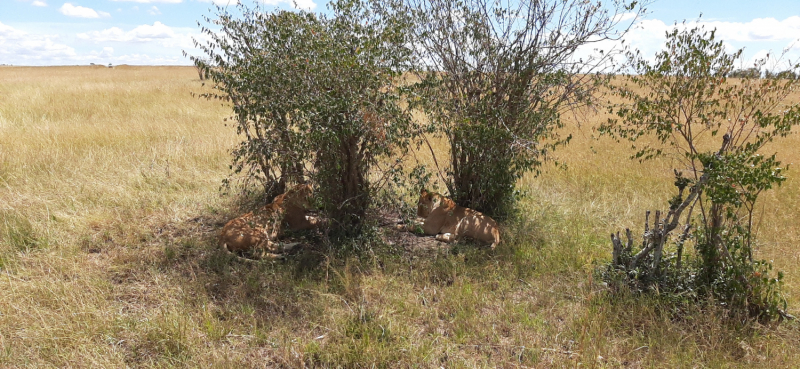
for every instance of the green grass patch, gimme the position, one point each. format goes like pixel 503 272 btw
pixel 18 234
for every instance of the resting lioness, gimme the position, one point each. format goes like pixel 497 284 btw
pixel 257 230
pixel 450 222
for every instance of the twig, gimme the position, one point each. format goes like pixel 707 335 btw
pixel 565 352
pixel 786 315
pixel 247 336
pixel 636 349
pixel 433 155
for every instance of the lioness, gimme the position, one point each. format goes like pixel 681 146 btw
pixel 450 222
pixel 257 230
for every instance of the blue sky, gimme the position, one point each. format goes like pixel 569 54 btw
pixel 147 32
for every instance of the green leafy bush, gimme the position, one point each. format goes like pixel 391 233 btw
pixel 316 98
pixel 497 77
pixel 684 100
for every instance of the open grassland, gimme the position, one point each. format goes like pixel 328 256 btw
pixel 110 205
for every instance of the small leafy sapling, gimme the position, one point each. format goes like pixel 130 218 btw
pixel 687 101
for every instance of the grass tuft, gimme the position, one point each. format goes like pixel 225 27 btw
pixel 18 233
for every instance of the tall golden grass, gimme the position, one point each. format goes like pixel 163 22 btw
pixel 110 203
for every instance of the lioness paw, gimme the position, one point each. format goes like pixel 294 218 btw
pixel 445 237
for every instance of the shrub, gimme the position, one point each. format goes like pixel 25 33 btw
pixel 684 100
pixel 498 76
pixel 316 98
pixel 745 73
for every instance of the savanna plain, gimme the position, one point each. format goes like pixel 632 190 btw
pixel 110 205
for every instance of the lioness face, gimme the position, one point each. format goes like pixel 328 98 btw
pixel 302 196
pixel 425 204
pixel 299 196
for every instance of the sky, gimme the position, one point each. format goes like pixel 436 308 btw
pixel 156 32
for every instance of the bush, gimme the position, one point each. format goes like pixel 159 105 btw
pixel 497 77
pixel 686 102
pixel 746 73
pixel 786 74
pixel 316 98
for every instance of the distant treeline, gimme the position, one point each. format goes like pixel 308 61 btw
pixel 756 73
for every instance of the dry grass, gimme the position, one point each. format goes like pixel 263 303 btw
pixel 109 206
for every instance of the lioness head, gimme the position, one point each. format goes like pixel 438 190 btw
pixel 297 197
pixel 426 203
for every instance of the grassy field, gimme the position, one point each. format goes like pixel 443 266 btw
pixel 110 206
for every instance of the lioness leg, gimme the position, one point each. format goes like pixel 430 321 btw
pixel 314 221
pixel 446 237
pixel 263 251
pixel 413 226
pixel 267 255
pixel 496 236
pixel 477 228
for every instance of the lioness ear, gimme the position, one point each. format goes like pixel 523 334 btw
pixel 422 192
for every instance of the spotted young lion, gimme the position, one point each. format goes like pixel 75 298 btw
pixel 256 231
pixel 450 222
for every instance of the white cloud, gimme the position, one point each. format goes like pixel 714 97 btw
pixel 154 11
pixel 157 34
pixel 759 29
pixel 21 48
pixel 153 1
pixel 757 36
pixel 143 33
pixel 18 47
pixel 624 16
pixel 297 4
pixel 40 3
pixel 301 4
pixel 648 36
pixel 81 12
pixel 220 2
